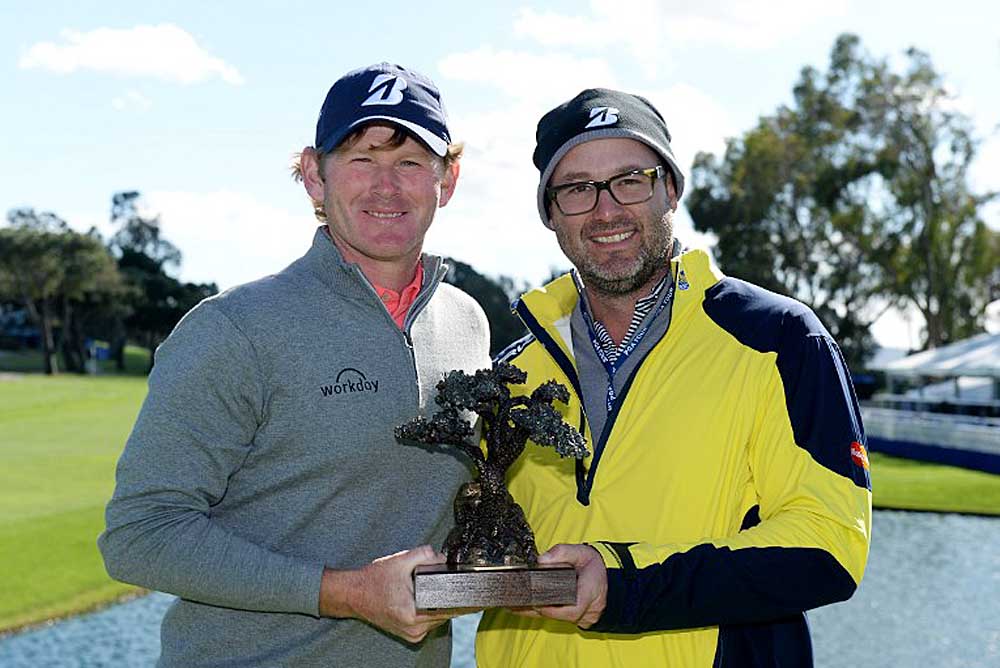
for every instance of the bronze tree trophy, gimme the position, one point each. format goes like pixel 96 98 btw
pixel 491 552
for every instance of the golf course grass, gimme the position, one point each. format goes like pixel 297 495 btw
pixel 61 436
pixel 59 440
pixel 905 484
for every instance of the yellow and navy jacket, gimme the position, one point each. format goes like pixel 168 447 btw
pixel 728 493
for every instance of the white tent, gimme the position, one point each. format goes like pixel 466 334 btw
pixel 978 356
pixel 965 375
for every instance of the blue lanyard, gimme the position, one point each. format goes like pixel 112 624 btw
pixel 612 367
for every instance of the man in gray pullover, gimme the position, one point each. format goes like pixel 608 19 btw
pixel 262 484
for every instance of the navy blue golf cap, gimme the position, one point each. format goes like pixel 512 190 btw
pixel 383 92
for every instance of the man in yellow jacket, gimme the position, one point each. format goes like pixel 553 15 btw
pixel 728 488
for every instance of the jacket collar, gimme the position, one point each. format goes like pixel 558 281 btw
pixel 553 304
pixel 324 261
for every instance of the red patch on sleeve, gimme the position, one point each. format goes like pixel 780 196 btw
pixel 859 455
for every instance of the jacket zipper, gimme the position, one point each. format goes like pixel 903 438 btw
pixel 584 478
pixel 421 300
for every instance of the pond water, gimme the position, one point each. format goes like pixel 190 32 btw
pixel 931 597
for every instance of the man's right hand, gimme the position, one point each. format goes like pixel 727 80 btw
pixel 591 586
pixel 381 594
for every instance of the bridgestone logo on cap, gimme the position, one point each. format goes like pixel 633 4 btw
pixel 602 116
pixel 386 89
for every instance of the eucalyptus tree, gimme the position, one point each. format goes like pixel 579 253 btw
pixel 855 198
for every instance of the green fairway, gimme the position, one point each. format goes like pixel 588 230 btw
pixel 59 440
pixel 911 485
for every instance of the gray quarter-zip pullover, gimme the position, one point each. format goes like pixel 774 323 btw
pixel 264 452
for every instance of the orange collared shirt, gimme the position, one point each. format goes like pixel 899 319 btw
pixel 398 303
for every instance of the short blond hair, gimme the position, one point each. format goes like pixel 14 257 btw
pixel 398 138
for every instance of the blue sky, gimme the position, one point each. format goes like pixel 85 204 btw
pixel 200 105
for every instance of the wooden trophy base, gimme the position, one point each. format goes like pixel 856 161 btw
pixel 493 586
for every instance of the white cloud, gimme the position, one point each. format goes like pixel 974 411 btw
pixel 82 221
pixel 554 29
pixel 985 174
pixel 649 29
pixel 524 75
pixel 697 122
pixel 992 324
pixel 132 100
pixel 746 25
pixel 231 237
pixel 606 26
pixel 224 236
pixel 162 51
pixel 899 329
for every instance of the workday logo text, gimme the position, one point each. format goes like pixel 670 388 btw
pixel 350 381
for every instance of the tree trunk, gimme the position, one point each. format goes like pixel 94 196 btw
pixel 78 345
pixel 70 344
pixel 48 342
pixel 118 340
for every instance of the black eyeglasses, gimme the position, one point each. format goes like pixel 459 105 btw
pixel 633 187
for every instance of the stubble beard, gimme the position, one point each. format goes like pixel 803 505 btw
pixel 617 281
